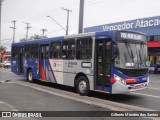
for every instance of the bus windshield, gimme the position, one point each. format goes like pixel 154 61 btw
pixel 131 55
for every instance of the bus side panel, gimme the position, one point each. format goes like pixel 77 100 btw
pixel 14 65
pixel 55 71
pixel 64 72
pixel 33 64
pixel 72 68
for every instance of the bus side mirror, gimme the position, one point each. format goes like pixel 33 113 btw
pixel 148 63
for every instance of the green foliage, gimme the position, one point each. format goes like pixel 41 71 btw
pixel 23 40
pixel 2 48
pixel 37 37
pixel 33 38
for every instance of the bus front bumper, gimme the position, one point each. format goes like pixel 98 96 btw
pixel 118 88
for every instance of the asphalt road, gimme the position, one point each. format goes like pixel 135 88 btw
pixel 22 97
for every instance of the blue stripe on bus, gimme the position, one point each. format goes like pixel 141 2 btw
pixel 107 89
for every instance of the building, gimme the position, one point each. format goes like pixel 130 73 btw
pixel 5 56
pixel 150 26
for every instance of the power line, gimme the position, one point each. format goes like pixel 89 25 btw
pixel 94 2
pixel 59 13
pixel 54 31
pixel 75 4
pixel 57 23
pixel 6 39
pixel 6 43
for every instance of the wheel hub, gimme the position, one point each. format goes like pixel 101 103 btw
pixel 30 76
pixel 82 86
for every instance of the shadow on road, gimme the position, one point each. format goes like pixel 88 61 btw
pixel 122 98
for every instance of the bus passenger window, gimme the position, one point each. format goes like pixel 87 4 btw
pixel 68 49
pixel 15 51
pixel 55 50
pixel 47 52
pixel 31 50
pixel 84 48
pixel 71 54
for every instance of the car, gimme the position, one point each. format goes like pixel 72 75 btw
pixel 154 68
pixel 7 64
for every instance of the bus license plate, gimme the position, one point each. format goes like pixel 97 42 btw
pixel 138 86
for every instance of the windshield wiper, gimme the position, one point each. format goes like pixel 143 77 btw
pixel 129 51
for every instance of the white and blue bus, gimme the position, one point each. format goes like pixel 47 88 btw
pixel 109 61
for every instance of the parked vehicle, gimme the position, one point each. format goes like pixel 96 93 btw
pixel 154 68
pixel 7 64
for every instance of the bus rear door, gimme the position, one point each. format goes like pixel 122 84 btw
pixel 102 68
pixel 20 60
pixel 17 59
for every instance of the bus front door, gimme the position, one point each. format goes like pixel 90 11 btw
pixel 44 56
pixel 102 69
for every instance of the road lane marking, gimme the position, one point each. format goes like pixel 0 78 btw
pixel 146 95
pixel 8 105
pixel 1 102
pixel 154 88
pixel 89 100
pixel 155 82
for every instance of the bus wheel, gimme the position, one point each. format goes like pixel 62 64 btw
pixel 82 86
pixel 30 76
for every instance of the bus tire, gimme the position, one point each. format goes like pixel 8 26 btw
pixel 30 76
pixel 82 86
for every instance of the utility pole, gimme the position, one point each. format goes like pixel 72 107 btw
pixel 81 11
pixel 0 20
pixel 43 30
pixel 68 10
pixel 27 27
pixel 14 27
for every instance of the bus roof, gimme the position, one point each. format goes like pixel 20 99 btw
pixel 39 40
pixel 97 34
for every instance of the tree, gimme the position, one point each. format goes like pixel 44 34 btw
pixel 2 48
pixel 37 37
pixel 23 40
pixel 33 38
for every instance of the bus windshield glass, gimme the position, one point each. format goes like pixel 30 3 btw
pixel 131 51
pixel 131 55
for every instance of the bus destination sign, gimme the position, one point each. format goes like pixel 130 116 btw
pixel 130 36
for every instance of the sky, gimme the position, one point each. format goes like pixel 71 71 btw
pixel 96 12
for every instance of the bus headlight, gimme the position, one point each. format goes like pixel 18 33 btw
pixel 119 79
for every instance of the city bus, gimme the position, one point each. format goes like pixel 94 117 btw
pixel 113 62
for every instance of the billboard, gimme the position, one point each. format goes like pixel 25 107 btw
pixel 149 26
